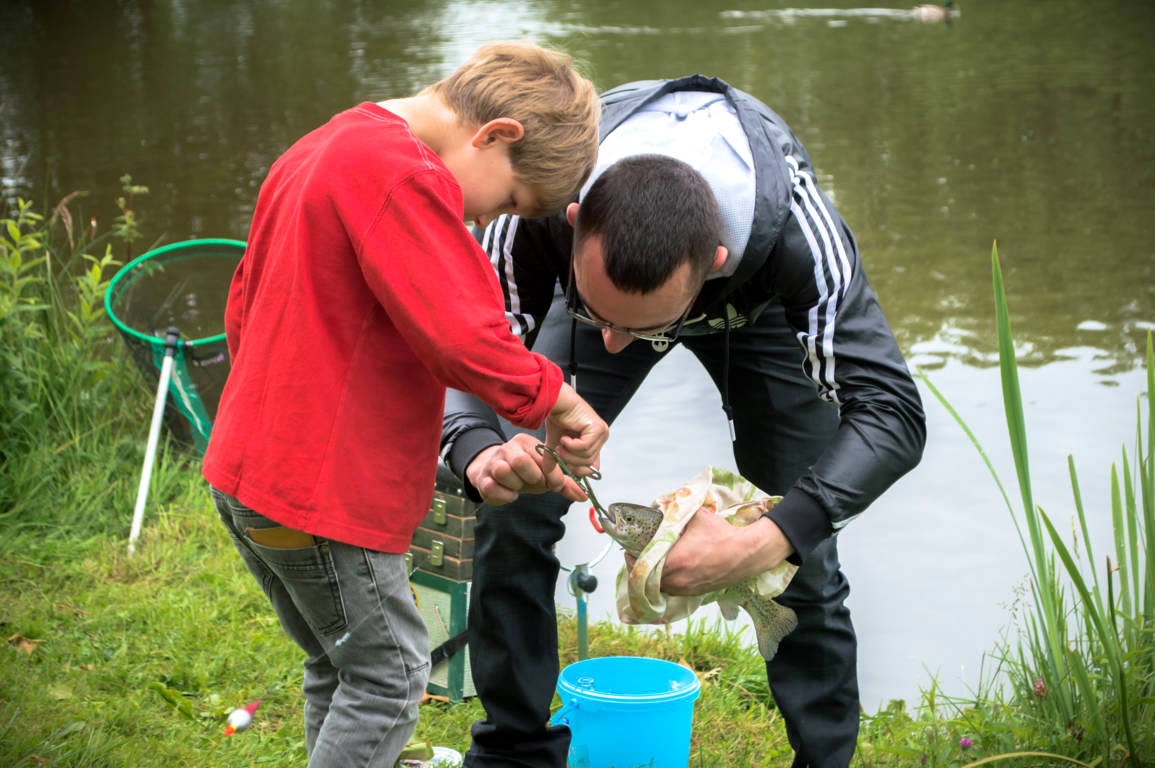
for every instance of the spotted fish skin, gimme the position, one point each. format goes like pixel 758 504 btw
pixel 633 526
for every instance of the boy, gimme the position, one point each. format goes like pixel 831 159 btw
pixel 356 303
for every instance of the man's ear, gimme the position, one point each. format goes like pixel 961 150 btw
pixel 571 212
pixel 719 258
pixel 504 130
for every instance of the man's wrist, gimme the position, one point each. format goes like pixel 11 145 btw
pixel 478 462
pixel 802 521
pixel 466 448
pixel 774 547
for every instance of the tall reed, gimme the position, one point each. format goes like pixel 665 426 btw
pixel 1085 661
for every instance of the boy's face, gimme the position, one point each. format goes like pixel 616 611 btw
pixel 491 187
pixel 484 169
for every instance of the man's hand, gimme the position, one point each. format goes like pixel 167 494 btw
pixel 501 472
pixel 575 431
pixel 712 554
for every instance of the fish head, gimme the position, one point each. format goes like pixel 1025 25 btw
pixel 632 525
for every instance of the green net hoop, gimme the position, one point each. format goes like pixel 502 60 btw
pixel 183 286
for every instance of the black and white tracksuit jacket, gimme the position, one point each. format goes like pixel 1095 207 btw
pixel 800 254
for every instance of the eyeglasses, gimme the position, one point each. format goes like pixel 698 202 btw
pixel 577 311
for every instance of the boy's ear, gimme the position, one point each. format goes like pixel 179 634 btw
pixel 571 212
pixel 505 130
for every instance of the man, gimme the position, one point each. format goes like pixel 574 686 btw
pixel 741 258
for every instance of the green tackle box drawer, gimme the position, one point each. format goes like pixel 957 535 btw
pixel 449 525
pixel 435 562
pixel 423 538
pixel 442 545
pixel 450 513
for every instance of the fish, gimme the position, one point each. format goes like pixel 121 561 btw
pixel 633 526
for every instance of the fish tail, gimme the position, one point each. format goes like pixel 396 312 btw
pixel 772 622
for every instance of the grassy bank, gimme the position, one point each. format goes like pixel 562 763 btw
pixel 118 661
pixel 113 660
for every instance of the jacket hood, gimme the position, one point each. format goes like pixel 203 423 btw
pixel 770 141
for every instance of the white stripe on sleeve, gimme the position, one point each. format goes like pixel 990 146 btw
pixel 831 274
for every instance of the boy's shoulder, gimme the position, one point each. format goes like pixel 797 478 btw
pixel 350 130
pixel 367 140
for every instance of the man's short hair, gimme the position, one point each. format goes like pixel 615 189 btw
pixel 555 104
pixel 652 213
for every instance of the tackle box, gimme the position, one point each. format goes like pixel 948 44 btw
pixel 441 569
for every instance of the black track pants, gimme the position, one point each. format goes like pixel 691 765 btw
pixel 781 427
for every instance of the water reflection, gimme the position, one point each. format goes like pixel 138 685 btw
pixel 935 141
pixel 834 16
pixel 1024 123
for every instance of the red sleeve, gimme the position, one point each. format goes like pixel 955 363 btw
pixel 442 295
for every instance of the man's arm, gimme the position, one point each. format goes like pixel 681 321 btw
pixel 853 358
pixel 851 355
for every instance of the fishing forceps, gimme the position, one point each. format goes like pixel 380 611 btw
pixel 603 517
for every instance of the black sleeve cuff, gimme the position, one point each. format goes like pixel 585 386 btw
pixel 465 448
pixel 802 521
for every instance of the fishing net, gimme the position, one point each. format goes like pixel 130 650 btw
pixel 182 286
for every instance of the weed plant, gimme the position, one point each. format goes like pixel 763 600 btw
pixel 73 411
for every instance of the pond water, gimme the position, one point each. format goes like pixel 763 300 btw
pixel 1028 123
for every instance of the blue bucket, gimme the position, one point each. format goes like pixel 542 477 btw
pixel 627 712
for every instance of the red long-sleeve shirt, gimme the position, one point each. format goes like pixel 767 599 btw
pixel 360 297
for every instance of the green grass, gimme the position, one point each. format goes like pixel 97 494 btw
pixel 135 661
pixel 118 660
pixel 112 660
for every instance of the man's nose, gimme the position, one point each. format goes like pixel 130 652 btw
pixel 615 342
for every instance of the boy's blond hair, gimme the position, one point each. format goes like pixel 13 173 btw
pixel 555 104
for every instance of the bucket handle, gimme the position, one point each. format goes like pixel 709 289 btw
pixel 559 717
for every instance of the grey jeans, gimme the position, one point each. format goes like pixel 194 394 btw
pixel 352 611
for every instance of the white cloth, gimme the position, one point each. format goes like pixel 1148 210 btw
pixel 638 598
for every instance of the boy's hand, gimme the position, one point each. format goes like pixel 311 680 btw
pixel 501 472
pixel 575 431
